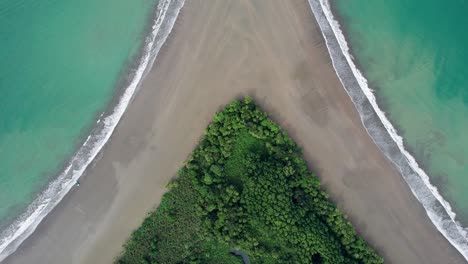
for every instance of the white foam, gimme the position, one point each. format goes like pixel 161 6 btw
pixel 10 238
pixel 382 131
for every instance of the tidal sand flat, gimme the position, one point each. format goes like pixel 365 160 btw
pixel 273 51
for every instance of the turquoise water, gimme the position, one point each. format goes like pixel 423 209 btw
pixel 414 55
pixel 60 62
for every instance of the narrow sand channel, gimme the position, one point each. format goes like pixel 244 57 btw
pixel 274 51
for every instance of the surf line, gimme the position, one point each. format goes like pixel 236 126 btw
pixel 166 14
pixel 382 131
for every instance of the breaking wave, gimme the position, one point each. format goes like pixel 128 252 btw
pixel 10 238
pixel 382 131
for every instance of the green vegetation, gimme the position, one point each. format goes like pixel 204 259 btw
pixel 247 187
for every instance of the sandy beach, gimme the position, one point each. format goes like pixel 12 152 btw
pixel 219 50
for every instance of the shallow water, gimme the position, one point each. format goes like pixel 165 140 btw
pixel 414 55
pixel 60 64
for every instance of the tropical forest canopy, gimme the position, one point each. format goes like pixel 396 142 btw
pixel 246 187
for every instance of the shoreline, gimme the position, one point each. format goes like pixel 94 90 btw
pixel 383 105
pixel 219 51
pixel 24 224
pixel 381 102
pixel 385 137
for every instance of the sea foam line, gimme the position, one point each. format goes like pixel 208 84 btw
pixel 10 238
pixel 382 131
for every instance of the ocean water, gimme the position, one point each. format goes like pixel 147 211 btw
pixel 414 56
pixel 158 18
pixel 60 64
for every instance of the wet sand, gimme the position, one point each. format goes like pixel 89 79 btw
pixel 218 50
